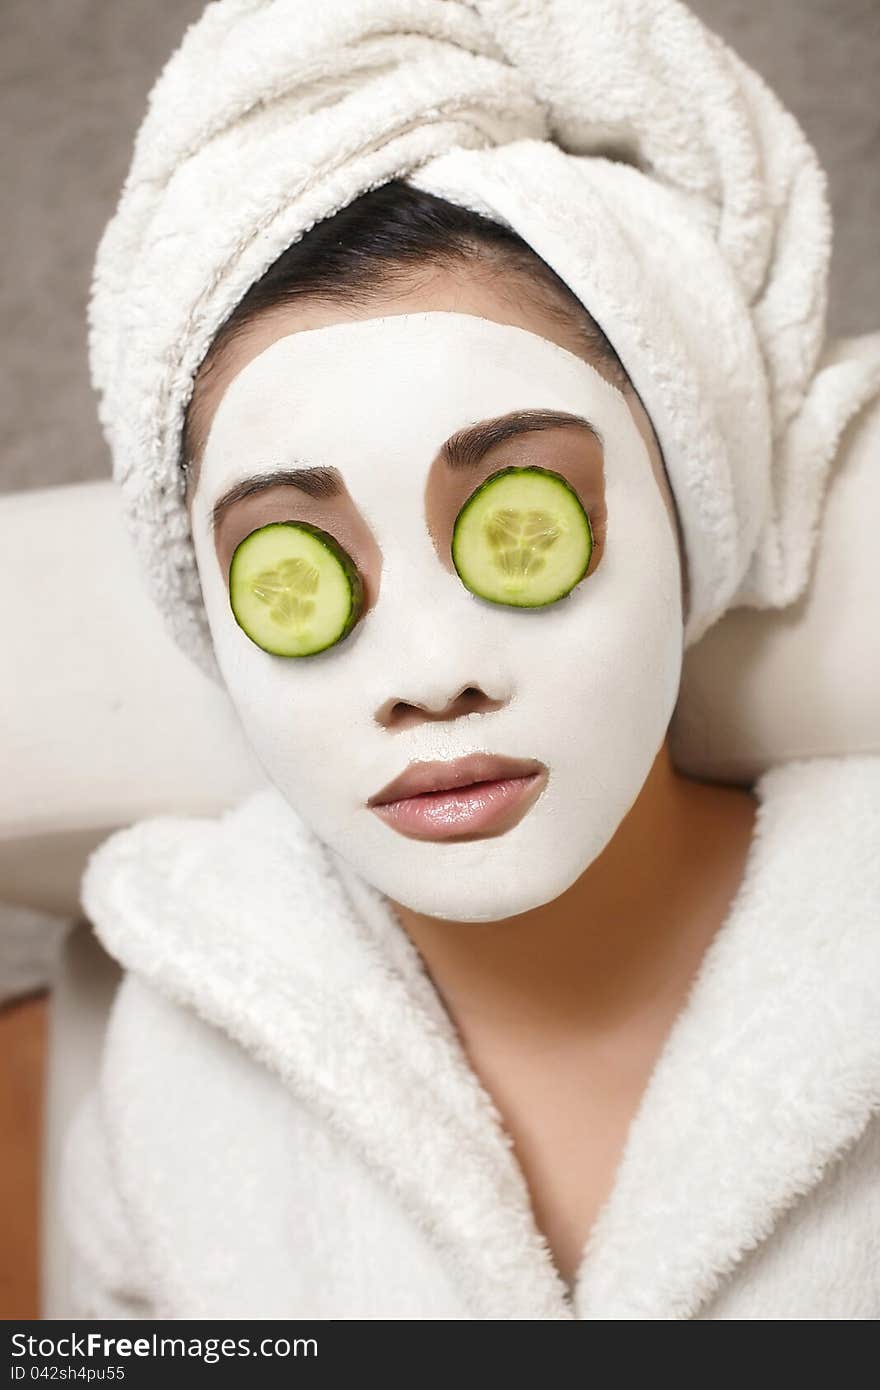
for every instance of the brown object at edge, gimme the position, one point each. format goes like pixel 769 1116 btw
pixel 23 1045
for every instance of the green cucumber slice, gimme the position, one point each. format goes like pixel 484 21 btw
pixel 293 589
pixel 522 538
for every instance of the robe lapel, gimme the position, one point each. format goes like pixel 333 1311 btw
pixel 771 1068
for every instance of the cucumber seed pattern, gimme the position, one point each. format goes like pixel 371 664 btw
pixel 522 538
pixel 286 588
pixel 520 541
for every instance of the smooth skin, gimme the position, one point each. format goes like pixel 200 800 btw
pixel 563 1010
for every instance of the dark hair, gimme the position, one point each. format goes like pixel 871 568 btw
pixel 380 240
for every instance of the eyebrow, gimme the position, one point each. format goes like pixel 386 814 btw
pixel 466 448
pixel 461 452
pixel 315 481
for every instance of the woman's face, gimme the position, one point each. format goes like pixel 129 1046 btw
pixel 385 416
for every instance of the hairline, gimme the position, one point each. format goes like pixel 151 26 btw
pixel 546 296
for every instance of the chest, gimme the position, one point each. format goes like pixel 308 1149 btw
pixel 569 1109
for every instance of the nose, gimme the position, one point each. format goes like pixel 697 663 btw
pixel 397 714
pixel 443 655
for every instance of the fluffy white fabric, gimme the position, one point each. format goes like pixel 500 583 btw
pixel 621 139
pixel 286 1124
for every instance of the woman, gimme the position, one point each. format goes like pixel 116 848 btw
pixel 481 1010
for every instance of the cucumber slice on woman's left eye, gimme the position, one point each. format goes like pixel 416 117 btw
pixel 293 589
pixel 522 538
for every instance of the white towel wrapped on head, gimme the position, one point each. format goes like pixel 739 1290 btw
pixel 646 163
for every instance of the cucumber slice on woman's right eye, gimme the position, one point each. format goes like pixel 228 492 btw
pixel 293 589
pixel 522 538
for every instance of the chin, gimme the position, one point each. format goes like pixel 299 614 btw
pixel 476 901
pixel 484 880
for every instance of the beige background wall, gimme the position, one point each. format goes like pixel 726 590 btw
pixel 74 75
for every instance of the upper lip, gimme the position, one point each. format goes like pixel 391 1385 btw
pixel 443 776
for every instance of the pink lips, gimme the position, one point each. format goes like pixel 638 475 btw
pixel 483 794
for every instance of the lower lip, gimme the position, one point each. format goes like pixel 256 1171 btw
pixel 463 813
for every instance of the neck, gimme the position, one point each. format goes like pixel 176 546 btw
pixel 619 937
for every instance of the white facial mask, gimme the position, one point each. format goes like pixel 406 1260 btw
pixel 587 684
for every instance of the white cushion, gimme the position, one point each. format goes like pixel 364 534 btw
pixel 104 720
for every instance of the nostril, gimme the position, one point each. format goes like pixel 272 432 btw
pixel 404 714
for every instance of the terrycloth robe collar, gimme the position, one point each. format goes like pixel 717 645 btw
pixel 770 1070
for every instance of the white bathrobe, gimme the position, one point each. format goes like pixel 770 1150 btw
pixel 286 1126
